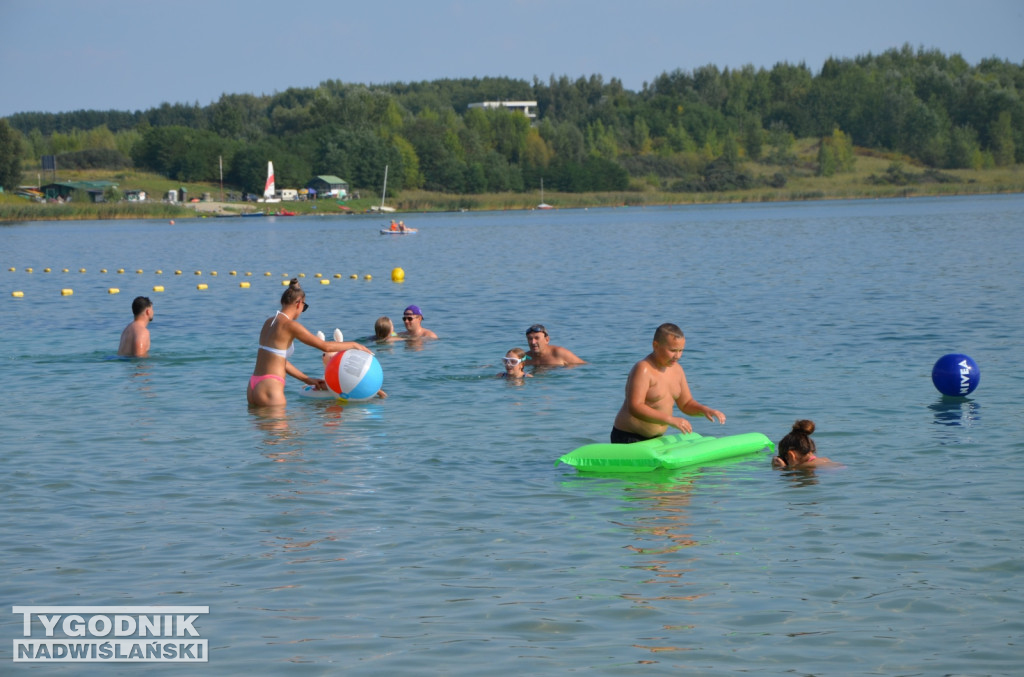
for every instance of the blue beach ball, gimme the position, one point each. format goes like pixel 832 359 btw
pixel 955 375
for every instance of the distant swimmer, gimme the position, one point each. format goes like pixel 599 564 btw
pixel 654 385
pixel 798 450
pixel 266 385
pixel 414 329
pixel 543 354
pixel 513 361
pixel 135 337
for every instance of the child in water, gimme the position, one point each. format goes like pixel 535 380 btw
pixel 384 330
pixel 797 449
pixel 514 364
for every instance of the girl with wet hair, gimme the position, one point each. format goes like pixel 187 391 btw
pixel 797 449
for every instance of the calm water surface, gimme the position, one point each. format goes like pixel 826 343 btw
pixel 431 533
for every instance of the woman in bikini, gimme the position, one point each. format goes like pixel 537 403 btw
pixel 266 385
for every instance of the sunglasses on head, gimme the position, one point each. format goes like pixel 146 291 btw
pixel 537 329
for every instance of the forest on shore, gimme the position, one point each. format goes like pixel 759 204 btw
pixel 685 132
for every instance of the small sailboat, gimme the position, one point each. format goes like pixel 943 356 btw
pixel 268 189
pixel 543 205
pixel 383 193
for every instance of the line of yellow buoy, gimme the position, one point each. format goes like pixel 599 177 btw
pixel 397 275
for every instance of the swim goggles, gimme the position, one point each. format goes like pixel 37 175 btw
pixel 511 361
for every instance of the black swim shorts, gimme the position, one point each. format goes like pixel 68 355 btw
pixel 622 437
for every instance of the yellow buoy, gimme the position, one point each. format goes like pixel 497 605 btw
pixel 248 274
pixel 243 285
pixel 367 277
pixel 113 290
pixel 202 285
pixel 302 275
pixel 28 270
pixel 17 294
pixel 159 272
pixel 65 270
pixel 285 283
pixel 138 271
pixel 337 276
pixel 397 275
pixel 177 272
pixel 11 269
pixel 199 272
pixel 120 270
pixel 325 281
pixel 158 287
pixel 82 270
pixel 318 275
pixel 267 274
pixel 354 276
pixel 232 273
pixel 46 270
pixel 67 292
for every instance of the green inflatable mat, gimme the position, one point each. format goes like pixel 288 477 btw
pixel 669 451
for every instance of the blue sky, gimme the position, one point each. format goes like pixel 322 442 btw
pixel 63 55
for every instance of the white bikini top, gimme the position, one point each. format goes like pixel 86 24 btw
pixel 281 352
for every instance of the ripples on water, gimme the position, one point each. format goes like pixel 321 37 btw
pixel 430 533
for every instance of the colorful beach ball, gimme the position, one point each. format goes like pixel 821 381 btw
pixel 354 375
pixel 955 375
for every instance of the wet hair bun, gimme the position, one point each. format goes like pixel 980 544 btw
pixel 804 426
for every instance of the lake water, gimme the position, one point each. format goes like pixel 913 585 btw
pixel 431 533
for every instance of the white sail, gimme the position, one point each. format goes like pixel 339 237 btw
pixel 384 192
pixel 268 190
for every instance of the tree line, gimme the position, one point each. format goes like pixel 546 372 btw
pixel 685 130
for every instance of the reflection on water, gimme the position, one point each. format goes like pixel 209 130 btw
pixel 956 411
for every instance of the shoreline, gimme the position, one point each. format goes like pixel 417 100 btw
pixel 440 203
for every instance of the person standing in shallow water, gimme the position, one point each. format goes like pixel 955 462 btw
pixel 653 386
pixel 266 385
pixel 135 337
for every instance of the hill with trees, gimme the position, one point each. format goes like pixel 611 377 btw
pixel 686 131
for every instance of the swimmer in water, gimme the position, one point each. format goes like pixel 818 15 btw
pixel 414 329
pixel 266 385
pixel 384 331
pixel 135 337
pixel 797 449
pixel 514 364
pixel 543 354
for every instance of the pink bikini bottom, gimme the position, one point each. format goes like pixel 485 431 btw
pixel 253 380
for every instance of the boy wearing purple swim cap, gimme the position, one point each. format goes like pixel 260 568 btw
pixel 414 329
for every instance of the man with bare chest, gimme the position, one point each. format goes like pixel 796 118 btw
pixel 655 385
